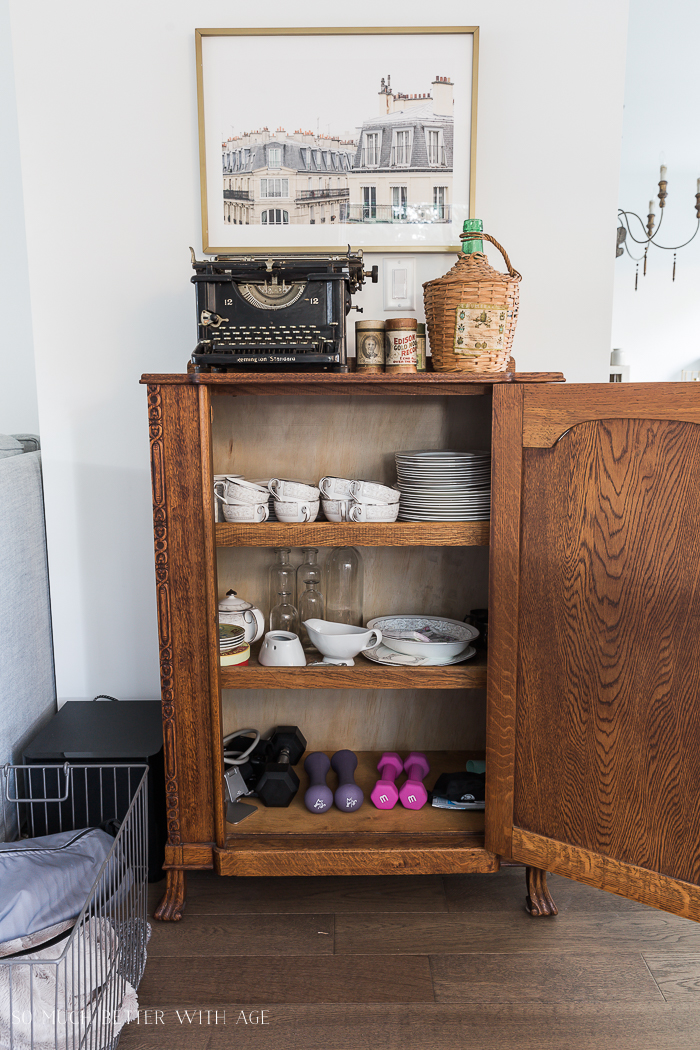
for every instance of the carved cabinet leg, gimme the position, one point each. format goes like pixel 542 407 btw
pixel 539 899
pixel 172 905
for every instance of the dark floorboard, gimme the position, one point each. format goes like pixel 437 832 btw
pixel 394 963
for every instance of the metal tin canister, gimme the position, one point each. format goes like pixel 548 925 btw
pixel 401 344
pixel 369 346
pixel 420 348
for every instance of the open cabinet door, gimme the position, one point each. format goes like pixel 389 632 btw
pixel 593 739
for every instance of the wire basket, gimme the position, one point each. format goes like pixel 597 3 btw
pixel 471 313
pixel 77 993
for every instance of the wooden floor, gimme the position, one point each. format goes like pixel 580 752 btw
pixel 416 963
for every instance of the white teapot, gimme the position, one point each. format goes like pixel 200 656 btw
pixel 236 611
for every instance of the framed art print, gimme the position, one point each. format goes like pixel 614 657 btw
pixel 311 139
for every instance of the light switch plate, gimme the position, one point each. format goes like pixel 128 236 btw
pixel 399 289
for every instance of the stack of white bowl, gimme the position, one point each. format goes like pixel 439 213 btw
pixel 241 501
pixel 294 501
pixel 346 500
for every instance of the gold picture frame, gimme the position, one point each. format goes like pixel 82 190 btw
pixel 411 144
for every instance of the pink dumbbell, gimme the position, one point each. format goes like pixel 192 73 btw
pixel 385 793
pixel 413 793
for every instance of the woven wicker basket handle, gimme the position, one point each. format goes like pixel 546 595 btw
pixel 488 237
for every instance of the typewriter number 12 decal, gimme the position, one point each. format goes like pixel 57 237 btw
pixel 228 302
pixel 314 302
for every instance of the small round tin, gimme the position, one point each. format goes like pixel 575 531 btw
pixel 401 344
pixel 420 347
pixel 369 346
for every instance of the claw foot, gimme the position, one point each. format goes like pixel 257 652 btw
pixel 539 900
pixel 172 905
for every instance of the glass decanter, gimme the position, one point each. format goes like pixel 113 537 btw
pixel 344 586
pixel 283 616
pixel 308 570
pixel 310 608
pixel 282 576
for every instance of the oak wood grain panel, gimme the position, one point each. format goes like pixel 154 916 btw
pixel 259 935
pixel 332 534
pixel 425 382
pixel 434 581
pixel 506 480
pixel 328 979
pixel 212 623
pixel 677 975
pixel 608 726
pixel 364 675
pixel 344 436
pixel 404 855
pixel 543 977
pixel 183 611
pixel 210 895
pixel 427 1026
pixel 549 412
pixel 189 855
pixel 640 884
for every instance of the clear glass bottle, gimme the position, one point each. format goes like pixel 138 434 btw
pixel 283 616
pixel 310 608
pixel 344 586
pixel 282 576
pixel 308 570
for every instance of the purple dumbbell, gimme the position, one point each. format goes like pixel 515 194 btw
pixel 413 793
pixel 318 797
pixel 348 796
pixel 385 793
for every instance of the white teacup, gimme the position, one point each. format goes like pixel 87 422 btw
pixel 335 488
pixel 250 512
pixel 281 649
pixel 371 492
pixel 293 490
pixel 373 511
pixel 236 490
pixel 296 510
pixel 218 516
pixel 336 509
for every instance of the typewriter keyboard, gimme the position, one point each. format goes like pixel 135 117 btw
pixel 269 338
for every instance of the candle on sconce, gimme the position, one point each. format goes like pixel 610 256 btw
pixel 663 173
pixel 698 185
pixel 651 205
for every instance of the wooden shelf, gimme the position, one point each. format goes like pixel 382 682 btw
pixel 370 841
pixel 364 675
pixel 420 384
pixel 330 534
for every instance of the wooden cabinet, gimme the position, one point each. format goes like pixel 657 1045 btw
pixel 591 718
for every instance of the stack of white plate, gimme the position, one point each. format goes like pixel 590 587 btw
pixel 444 485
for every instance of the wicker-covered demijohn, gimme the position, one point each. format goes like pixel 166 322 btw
pixel 471 313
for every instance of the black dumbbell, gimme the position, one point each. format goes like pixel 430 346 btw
pixel 319 796
pixel 348 796
pixel 279 783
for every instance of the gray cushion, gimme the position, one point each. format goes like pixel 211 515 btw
pixel 10 446
pixel 27 694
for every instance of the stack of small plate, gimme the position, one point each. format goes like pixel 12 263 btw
pixel 233 648
pixel 444 485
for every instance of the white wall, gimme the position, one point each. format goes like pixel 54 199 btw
pixel 19 413
pixel 659 324
pixel 107 122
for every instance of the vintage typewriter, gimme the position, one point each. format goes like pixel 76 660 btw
pixel 275 312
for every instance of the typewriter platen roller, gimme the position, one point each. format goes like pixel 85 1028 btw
pixel 275 312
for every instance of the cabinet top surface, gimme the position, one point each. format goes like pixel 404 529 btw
pixel 418 383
